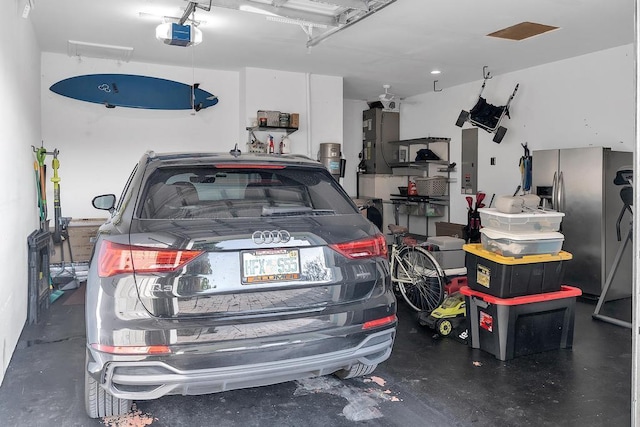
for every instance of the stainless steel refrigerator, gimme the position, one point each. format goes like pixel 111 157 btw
pixel 579 182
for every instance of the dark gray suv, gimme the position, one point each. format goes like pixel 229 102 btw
pixel 224 271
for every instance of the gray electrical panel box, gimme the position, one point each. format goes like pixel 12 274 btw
pixel 378 128
pixel 469 161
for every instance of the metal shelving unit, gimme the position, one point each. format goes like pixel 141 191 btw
pixel 427 206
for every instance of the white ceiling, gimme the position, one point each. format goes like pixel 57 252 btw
pixel 399 45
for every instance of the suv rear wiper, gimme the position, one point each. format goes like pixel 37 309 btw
pixel 294 210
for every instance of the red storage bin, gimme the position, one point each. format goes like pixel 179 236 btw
pixel 512 327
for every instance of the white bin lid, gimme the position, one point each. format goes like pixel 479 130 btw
pixel 529 214
pixel 492 233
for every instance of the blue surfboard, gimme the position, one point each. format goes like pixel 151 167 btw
pixel 128 90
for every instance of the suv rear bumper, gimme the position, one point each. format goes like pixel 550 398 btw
pixel 151 379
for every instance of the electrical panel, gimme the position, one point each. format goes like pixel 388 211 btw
pixel 469 161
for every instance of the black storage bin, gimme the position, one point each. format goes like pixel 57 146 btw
pixel 512 327
pixel 507 277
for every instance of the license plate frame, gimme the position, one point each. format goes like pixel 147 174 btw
pixel 269 266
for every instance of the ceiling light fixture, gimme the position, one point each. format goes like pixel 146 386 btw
pixel 295 22
pixel 97 50
pixel 435 72
pixel 246 8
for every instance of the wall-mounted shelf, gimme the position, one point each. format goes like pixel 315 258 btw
pixel 271 129
pixel 407 168
pixel 425 140
pixel 254 145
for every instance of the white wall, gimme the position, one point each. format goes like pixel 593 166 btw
pixel 317 98
pixel 20 112
pixel 278 91
pixel 99 146
pixel 582 101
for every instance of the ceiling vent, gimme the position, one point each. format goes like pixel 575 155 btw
pixel 522 31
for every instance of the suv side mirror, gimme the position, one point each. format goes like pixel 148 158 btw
pixel 105 202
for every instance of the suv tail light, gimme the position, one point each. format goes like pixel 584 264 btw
pixel 370 247
pixel 371 324
pixel 130 349
pixel 115 258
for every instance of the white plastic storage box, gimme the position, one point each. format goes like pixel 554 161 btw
pixel 447 251
pixel 521 244
pixel 525 222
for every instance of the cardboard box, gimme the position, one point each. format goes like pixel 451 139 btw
pixel 450 229
pixel 81 235
pixel 294 120
pixel 273 118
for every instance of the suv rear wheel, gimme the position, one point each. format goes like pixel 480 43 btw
pixel 100 403
pixel 357 370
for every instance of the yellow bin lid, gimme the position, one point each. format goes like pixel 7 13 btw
pixel 477 249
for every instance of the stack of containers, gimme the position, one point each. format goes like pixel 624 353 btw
pixel 516 304
pixel 520 253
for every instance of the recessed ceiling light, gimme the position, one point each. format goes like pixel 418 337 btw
pixel 435 72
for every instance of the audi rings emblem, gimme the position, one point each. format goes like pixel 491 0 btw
pixel 273 236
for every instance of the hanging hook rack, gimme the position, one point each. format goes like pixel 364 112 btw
pixel 486 74
pixel 434 87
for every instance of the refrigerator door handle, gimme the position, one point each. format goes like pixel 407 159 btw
pixel 554 192
pixel 560 193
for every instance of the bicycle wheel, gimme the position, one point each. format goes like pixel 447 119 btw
pixel 419 278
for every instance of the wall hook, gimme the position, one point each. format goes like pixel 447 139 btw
pixel 486 74
pixel 434 87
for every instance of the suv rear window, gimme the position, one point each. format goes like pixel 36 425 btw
pixel 209 192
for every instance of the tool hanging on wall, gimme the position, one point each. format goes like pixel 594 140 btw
pixel 57 212
pixel 41 182
pixel 41 188
pixel 525 170
pixel 66 278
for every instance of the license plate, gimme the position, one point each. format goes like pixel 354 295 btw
pixel 268 266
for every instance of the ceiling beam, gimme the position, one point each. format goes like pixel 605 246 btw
pixel 351 4
pixel 283 11
pixel 313 41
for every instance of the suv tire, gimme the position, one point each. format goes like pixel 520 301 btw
pixel 357 370
pixel 99 402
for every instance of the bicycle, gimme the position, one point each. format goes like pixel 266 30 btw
pixel 416 272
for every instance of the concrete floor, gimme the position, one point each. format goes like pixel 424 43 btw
pixel 426 382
